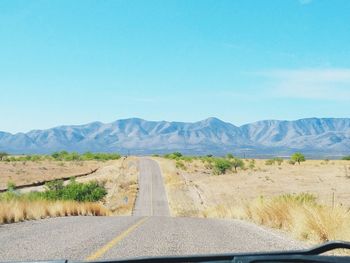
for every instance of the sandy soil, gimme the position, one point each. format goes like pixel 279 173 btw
pixel 195 188
pixel 29 171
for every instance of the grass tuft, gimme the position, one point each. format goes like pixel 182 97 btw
pixel 21 210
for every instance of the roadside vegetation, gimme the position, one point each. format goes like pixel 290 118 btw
pixel 57 200
pixel 307 198
pixel 60 156
pixel 298 214
pixel 219 165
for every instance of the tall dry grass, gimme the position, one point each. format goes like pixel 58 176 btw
pixel 305 219
pixel 20 210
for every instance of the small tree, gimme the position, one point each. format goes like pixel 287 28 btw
pixel 3 155
pixel 237 163
pixel 229 156
pixel 177 154
pixel 298 157
pixel 221 165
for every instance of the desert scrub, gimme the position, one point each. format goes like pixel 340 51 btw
pixel 180 165
pixel 88 156
pixel 57 200
pixel 56 190
pixel 346 158
pixel 220 166
pixel 273 161
pixel 178 156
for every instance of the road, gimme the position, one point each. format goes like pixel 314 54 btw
pixel 149 232
pixel 151 199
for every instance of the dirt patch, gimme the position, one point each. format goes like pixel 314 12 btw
pixel 29 172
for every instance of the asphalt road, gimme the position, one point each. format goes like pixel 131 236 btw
pixel 150 232
pixel 151 199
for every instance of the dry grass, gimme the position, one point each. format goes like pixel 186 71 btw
pixel 195 191
pixel 306 221
pixel 16 211
pixel 119 176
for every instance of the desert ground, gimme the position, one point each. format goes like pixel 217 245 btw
pixel 310 200
pixel 195 187
pixel 26 172
pixel 119 177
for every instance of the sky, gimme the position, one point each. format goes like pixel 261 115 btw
pixel 74 62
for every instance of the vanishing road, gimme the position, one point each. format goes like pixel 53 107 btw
pixel 149 232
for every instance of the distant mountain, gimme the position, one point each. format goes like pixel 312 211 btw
pixel 314 136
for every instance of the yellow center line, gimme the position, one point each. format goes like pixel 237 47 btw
pixel 100 252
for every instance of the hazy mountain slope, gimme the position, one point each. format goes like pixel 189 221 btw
pixel 314 136
pixel 312 133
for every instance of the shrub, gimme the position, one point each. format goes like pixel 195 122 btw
pixel 229 156
pixel 291 162
pixel 270 162
pixel 11 186
pixel 346 158
pixel 278 160
pixel 83 192
pixel 74 156
pixel 180 165
pixel 3 156
pixel 237 163
pixel 251 164
pixel 221 166
pixel 55 185
pixel 298 157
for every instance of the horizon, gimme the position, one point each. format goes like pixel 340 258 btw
pixel 242 61
pixel 168 121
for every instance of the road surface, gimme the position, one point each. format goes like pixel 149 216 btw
pixel 151 199
pixel 149 232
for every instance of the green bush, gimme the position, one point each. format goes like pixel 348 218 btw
pixel 346 158
pixel 220 166
pixel 298 157
pixel 88 156
pixel 3 156
pixel 174 155
pixel 180 165
pixel 91 192
pixel 55 185
pixel 11 186
pixel 229 156
pixel 237 163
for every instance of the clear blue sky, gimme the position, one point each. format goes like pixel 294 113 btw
pixel 73 62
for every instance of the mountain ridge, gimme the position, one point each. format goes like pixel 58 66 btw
pixel 314 136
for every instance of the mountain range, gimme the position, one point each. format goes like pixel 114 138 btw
pixel 312 136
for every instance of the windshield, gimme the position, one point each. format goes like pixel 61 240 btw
pixel 172 128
